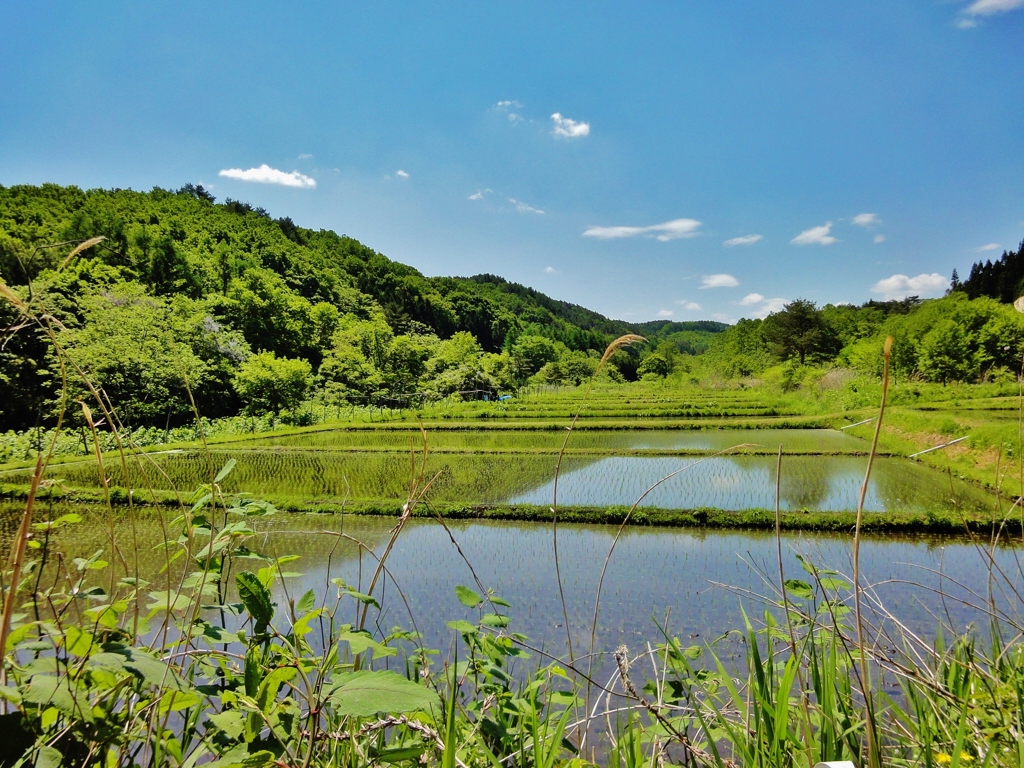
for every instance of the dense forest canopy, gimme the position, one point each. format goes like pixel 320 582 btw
pixel 245 312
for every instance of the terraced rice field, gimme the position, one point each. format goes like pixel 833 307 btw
pixel 725 470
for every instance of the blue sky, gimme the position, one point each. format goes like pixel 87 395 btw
pixel 691 160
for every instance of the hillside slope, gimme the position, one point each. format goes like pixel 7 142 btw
pixel 185 288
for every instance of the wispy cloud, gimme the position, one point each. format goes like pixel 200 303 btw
pixel 879 239
pixel 305 156
pixel 992 7
pixel 507 106
pixel 764 307
pixel 866 219
pixel 988 247
pixel 401 174
pixel 665 313
pixel 669 230
pixel 689 306
pixel 523 207
pixel 568 129
pixel 550 270
pixel 770 307
pixel 267 175
pixel 480 194
pixel 745 240
pixel 815 236
pixel 901 286
pixel 719 281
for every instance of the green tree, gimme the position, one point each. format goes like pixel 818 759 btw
pixel 655 364
pixel 800 330
pixel 270 384
pixel 531 352
pixel 130 348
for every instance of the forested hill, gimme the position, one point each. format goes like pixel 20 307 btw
pixel 185 287
pixel 183 243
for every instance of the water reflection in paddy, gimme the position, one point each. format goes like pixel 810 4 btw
pixel 738 482
pixel 824 440
pixel 654 573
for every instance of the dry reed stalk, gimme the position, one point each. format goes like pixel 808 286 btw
pixel 874 758
pixel 623 341
pixel 18 560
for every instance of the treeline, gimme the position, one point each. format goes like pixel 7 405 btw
pixel 185 295
pixel 1002 279
pixel 954 338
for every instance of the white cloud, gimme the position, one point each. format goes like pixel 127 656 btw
pixel 689 306
pixel 770 306
pixel 523 207
pixel 815 236
pixel 988 247
pixel 879 239
pixel 719 281
pixel 514 118
pixel 866 219
pixel 991 7
pixel 745 240
pixel 267 175
pixel 569 129
pixel 723 318
pixel 764 306
pixel 669 230
pixel 966 23
pixel 509 103
pixel 305 156
pixel 550 270
pixel 665 313
pixel 401 174
pixel 901 286
pixel 479 194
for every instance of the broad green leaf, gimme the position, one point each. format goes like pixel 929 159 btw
pixel 225 470
pixel 360 643
pixel 306 602
pixel 256 599
pixel 168 601
pixel 230 721
pixel 799 588
pixel 251 673
pixel 494 620
pixel 365 693
pixel 467 596
pixel 145 667
pixel 463 627
pixel 49 757
pixel 49 690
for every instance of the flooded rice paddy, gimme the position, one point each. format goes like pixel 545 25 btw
pixel 822 470
pixel 694 582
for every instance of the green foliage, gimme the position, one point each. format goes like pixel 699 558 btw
pixel 227 279
pixel 799 330
pixel 270 384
